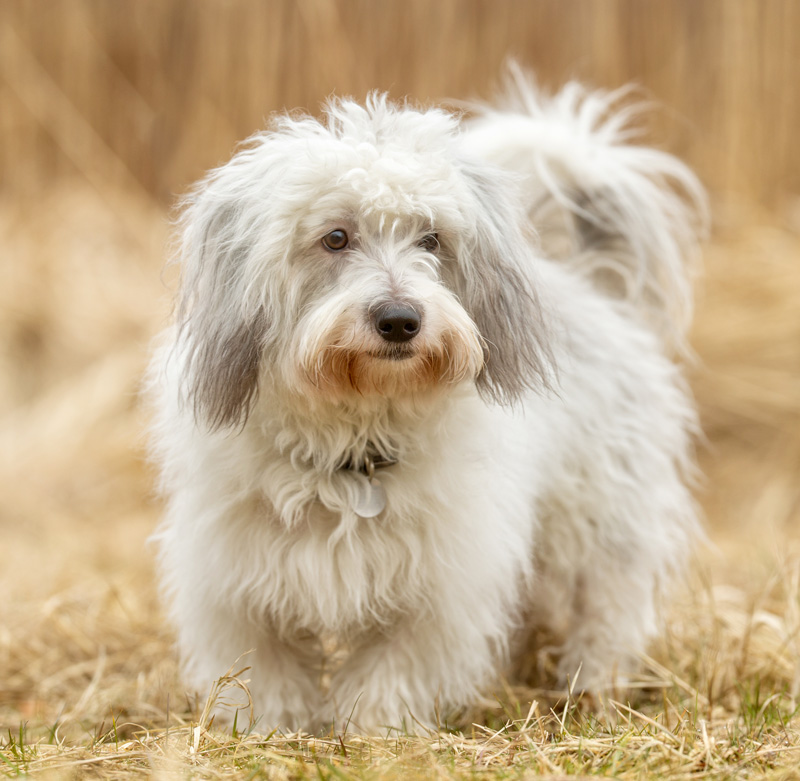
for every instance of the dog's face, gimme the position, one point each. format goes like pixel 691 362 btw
pixel 364 257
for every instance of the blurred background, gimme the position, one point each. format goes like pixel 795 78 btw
pixel 110 109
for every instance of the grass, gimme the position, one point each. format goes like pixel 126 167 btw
pixel 718 700
pixel 88 678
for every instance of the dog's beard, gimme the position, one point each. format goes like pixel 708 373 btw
pixel 340 368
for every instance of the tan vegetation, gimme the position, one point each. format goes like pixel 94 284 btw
pixel 105 109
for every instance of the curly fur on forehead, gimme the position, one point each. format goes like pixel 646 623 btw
pixel 379 123
pixel 387 158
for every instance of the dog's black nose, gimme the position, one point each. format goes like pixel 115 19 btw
pixel 396 322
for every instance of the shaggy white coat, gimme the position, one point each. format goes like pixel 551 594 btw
pixel 542 435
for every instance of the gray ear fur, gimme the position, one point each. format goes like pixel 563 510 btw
pixel 222 341
pixel 497 290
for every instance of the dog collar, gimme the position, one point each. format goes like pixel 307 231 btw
pixel 368 464
pixel 373 459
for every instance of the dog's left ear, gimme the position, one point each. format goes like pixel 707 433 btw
pixel 222 338
pixel 495 282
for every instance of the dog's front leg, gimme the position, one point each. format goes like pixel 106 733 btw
pixel 410 677
pixel 282 679
pixel 285 685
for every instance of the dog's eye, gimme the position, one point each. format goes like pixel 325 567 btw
pixel 429 243
pixel 335 241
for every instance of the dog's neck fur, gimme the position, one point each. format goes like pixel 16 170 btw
pixel 319 435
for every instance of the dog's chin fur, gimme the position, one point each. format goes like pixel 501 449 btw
pixel 389 373
pixel 532 441
pixel 339 371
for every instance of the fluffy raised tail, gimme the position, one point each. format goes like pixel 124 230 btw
pixel 627 216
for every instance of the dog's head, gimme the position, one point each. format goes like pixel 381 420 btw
pixel 361 257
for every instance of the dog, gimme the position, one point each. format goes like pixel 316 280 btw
pixel 422 395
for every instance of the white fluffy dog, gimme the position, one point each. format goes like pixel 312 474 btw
pixel 419 394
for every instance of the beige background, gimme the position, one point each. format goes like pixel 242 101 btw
pixel 109 108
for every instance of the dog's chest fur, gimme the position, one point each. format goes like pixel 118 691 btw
pixel 304 559
pixel 371 578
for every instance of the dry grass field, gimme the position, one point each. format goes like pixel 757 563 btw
pixel 106 109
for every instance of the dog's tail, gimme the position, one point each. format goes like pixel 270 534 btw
pixel 628 216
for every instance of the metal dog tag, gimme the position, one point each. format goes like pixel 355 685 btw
pixel 371 499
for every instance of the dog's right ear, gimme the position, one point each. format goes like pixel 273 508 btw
pixel 222 334
pixel 495 283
